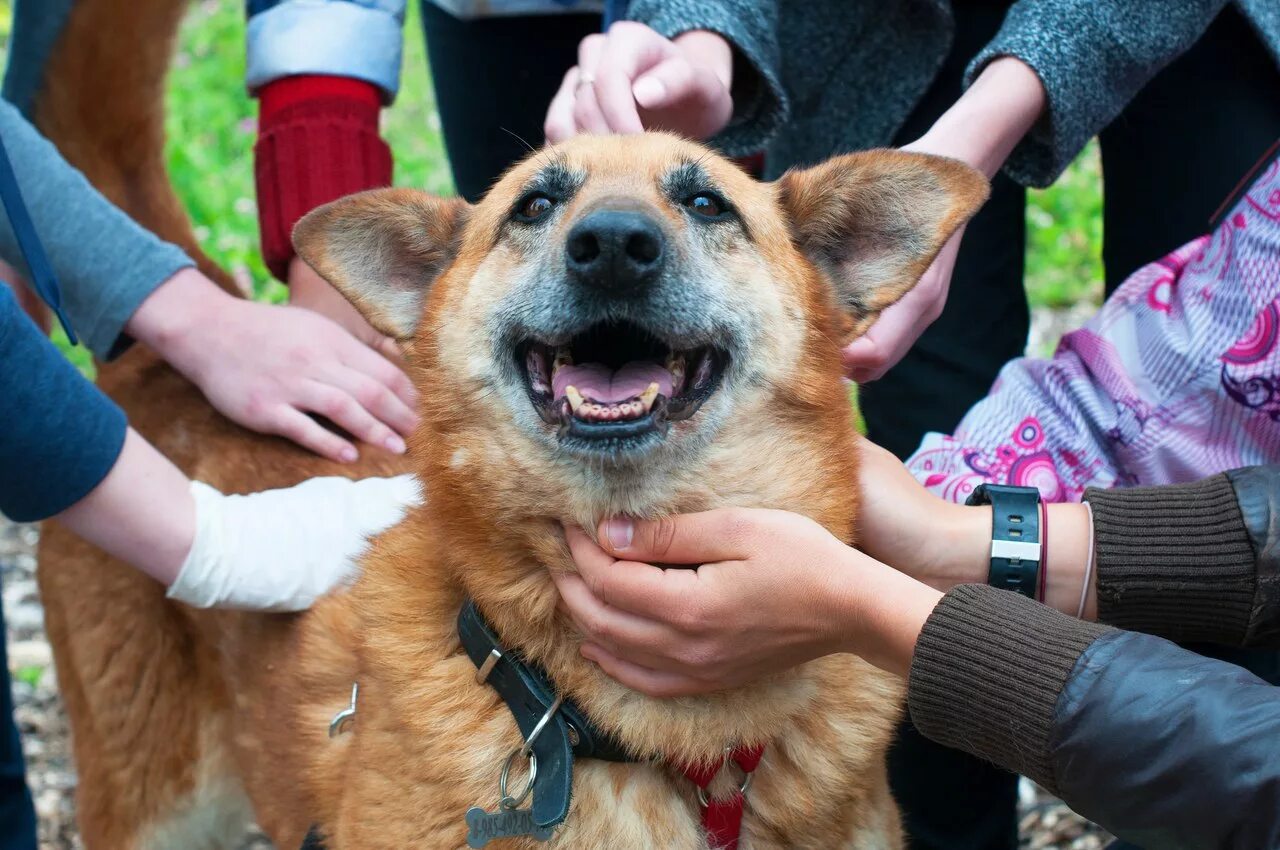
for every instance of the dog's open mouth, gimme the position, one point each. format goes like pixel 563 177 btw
pixel 618 382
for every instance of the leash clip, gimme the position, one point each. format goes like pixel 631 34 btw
pixel 342 721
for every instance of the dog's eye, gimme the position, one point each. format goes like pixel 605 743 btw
pixel 534 207
pixel 706 205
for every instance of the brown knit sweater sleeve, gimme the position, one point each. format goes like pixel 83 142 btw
pixel 988 670
pixel 1175 561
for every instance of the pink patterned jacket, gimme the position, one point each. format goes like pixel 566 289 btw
pixel 1177 377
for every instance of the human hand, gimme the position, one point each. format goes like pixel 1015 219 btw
pixel 981 129
pixel 891 336
pixel 632 79
pixel 309 290
pixel 267 367
pixel 281 550
pixel 901 523
pixel 773 590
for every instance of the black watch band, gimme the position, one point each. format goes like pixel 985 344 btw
pixel 1015 536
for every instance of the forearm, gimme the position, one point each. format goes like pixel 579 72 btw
pixel 988 121
pixel 1177 561
pixel 1103 719
pixel 105 263
pixel 298 117
pixel 142 512
pixel 164 320
pixel 964 556
pixel 1092 57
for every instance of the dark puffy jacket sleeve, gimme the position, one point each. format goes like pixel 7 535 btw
pixel 1193 562
pixel 1092 56
pixel 751 26
pixel 1163 747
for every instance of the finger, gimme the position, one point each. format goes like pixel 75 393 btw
pixel 666 83
pixel 306 432
pixel 389 409
pixel 390 349
pixel 655 683
pixel 377 366
pixel 873 354
pixel 589 51
pixel 587 117
pixel 625 635
pixel 342 409
pixel 633 50
pixel 559 123
pixel 702 538
pixel 637 588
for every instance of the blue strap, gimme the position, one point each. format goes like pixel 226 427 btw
pixel 43 279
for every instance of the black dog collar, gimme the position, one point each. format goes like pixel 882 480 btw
pixel 529 695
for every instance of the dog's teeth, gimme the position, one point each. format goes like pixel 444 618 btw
pixel 647 397
pixel 575 398
pixel 563 358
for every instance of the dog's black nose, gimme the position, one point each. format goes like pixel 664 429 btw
pixel 615 250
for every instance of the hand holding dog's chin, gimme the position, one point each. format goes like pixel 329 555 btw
pixel 268 367
pixel 773 590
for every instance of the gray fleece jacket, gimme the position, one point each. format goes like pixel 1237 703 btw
pixel 106 264
pixel 824 77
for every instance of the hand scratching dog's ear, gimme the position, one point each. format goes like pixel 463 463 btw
pixel 382 249
pixel 874 221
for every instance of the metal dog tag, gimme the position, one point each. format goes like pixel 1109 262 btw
pixel 504 823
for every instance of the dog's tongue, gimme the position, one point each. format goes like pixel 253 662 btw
pixel 600 383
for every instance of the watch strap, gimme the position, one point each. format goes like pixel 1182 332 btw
pixel 1016 552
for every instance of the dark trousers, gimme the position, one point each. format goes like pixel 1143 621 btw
pixel 1169 160
pixel 17 815
pixel 494 78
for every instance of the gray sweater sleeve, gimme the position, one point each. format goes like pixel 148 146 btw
pixel 750 26
pixel 1092 57
pixel 106 263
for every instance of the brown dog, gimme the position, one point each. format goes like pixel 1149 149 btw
pixel 734 302
pixel 623 325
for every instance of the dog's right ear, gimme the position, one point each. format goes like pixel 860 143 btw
pixel 382 249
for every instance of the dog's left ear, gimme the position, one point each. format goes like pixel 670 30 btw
pixel 382 249
pixel 874 221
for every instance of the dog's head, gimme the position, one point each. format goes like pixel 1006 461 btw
pixel 621 315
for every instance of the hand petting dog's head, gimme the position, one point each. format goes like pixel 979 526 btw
pixel 623 321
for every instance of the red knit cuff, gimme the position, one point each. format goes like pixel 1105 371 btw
pixel 317 141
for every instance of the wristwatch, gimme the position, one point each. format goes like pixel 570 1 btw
pixel 1015 536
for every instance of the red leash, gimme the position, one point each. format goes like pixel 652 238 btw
pixel 722 818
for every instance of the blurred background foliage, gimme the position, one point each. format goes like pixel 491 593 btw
pixel 211 129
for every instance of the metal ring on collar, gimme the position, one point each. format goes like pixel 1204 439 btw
pixel 742 789
pixel 507 801
pixel 526 749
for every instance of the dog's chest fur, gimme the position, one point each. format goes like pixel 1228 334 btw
pixel 430 741
pixel 412 775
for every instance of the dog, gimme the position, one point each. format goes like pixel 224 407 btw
pixel 621 326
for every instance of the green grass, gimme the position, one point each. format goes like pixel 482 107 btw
pixel 1064 236
pixel 30 674
pixel 211 130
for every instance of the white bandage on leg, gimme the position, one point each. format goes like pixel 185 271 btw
pixel 281 550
